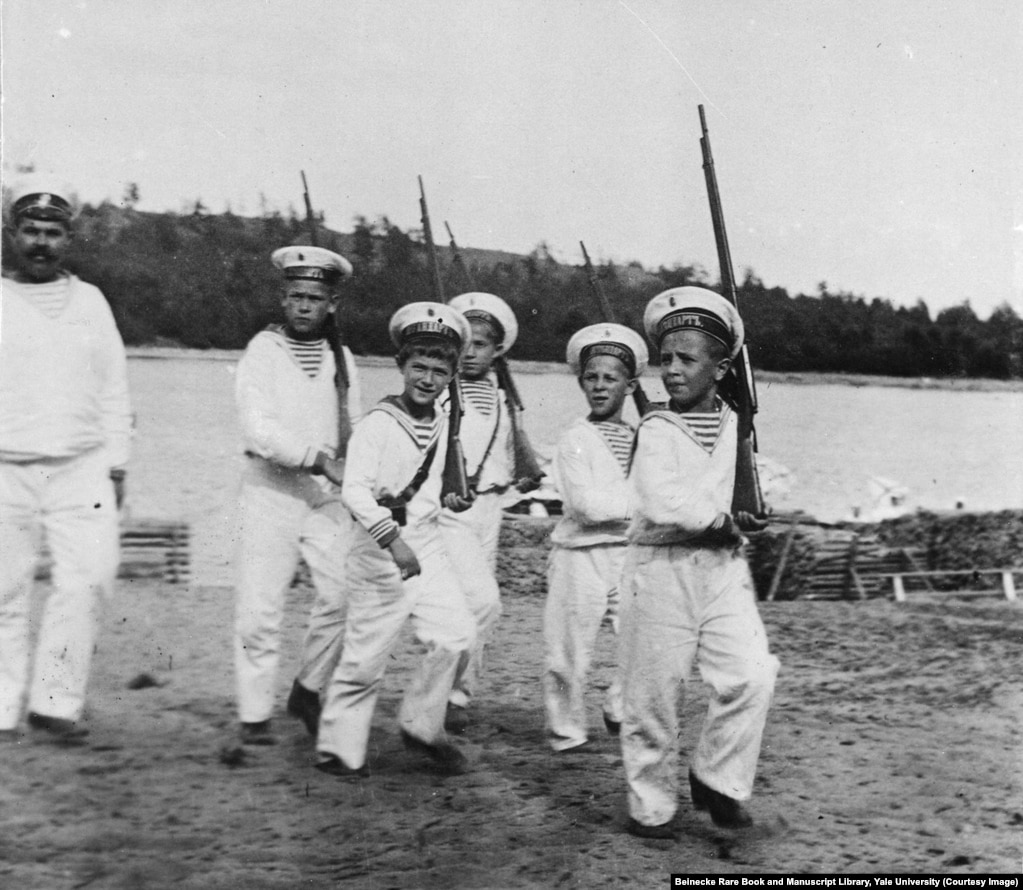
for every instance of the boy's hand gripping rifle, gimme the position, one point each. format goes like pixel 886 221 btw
pixel 455 479
pixel 638 396
pixel 526 470
pixel 746 496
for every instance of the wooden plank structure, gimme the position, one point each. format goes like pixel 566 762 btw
pixel 150 548
pixel 898 582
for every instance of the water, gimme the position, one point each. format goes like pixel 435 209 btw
pixel 942 445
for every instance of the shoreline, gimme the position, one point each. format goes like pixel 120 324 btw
pixel 798 378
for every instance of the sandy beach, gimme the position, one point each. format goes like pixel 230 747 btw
pixel 892 746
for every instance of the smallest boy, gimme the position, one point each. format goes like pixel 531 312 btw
pixel 398 567
pixel 591 465
pixel 690 592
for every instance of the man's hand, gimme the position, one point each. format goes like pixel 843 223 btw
pixel 404 558
pixel 453 502
pixel 750 523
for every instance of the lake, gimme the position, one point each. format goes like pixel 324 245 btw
pixel 942 445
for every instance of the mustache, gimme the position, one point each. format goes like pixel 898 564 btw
pixel 40 253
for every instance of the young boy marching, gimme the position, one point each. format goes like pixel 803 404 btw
pixel 591 465
pixel 398 567
pixel 297 394
pixel 486 434
pixel 691 597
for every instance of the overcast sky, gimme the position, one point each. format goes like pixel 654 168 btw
pixel 873 145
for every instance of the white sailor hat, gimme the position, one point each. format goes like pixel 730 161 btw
pixel 429 320
pixel 41 196
pixel 607 339
pixel 313 263
pixel 695 308
pixel 494 311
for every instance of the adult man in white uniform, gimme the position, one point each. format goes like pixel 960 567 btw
pixel 296 404
pixel 65 425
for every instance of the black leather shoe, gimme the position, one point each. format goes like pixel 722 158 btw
pixel 614 727
pixel 725 812
pixel 456 719
pixel 664 832
pixel 258 733
pixel 443 754
pixel 305 705
pixel 334 766
pixel 67 732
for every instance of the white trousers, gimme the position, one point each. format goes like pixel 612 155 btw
pixel 471 541
pixel 691 605
pixel 379 603
pixel 71 501
pixel 582 588
pixel 284 514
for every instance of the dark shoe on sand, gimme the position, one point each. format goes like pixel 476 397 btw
pixel 456 719
pixel 725 812
pixel 334 766
pixel 443 754
pixel 305 705
pixel 258 733
pixel 67 732
pixel 665 832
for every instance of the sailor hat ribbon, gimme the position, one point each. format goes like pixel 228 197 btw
pixel 41 197
pixel 312 263
pixel 491 309
pixel 694 308
pixel 429 320
pixel 607 339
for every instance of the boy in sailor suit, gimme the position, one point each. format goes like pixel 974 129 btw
pixel 591 465
pixel 398 568
pixel 486 434
pixel 296 407
pixel 690 593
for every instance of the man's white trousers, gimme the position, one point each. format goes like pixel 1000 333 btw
pixel 379 603
pixel 471 540
pixel 71 501
pixel 582 589
pixel 285 514
pixel 686 605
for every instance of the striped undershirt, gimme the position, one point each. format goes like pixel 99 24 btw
pixel 481 394
pixel 50 297
pixel 619 439
pixel 424 430
pixel 705 427
pixel 308 354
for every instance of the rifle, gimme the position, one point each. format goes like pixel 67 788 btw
pixel 526 469
pixel 455 478
pixel 310 217
pixel 638 396
pixel 746 496
pixel 333 336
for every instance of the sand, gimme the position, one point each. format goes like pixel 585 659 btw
pixel 893 746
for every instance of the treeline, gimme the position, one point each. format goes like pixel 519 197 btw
pixel 203 280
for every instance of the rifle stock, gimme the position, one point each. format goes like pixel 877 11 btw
pixel 526 470
pixel 638 395
pixel 746 496
pixel 455 478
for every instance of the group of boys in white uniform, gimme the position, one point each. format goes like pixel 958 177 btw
pixel 647 537
pixel 647 541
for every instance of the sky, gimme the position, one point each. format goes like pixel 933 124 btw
pixel 875 146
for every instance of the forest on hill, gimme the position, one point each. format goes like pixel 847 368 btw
pixel 205 280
